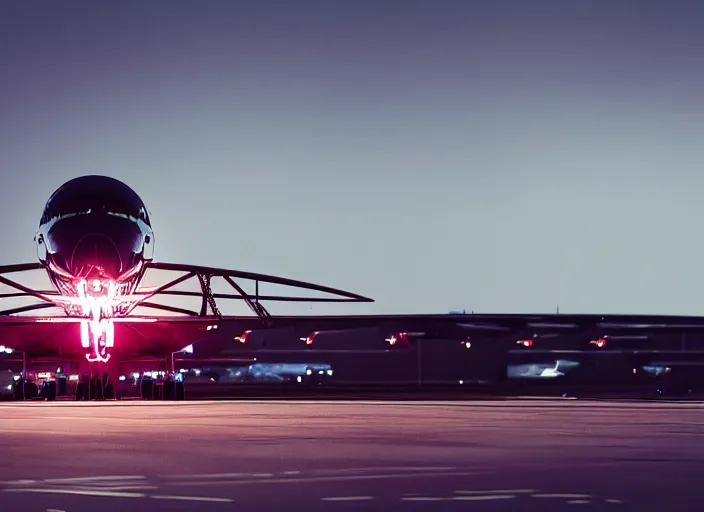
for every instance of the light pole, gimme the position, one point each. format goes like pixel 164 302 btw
pixel 8 350
pixel 420 361
pixel 185 350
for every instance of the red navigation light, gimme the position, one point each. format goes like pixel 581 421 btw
pixel 525 343
pixel 309 339
pixel 600 342
pixel 243 337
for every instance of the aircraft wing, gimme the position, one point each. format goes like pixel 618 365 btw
pixel 475 326
pixel 169 316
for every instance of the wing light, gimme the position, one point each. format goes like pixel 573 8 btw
pixel 600 342
pixel 243 337
pixel 309 339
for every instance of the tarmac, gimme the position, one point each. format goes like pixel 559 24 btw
pixel 351 455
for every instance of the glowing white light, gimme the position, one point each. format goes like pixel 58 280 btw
pixel 85 334
pixel 188 349
pixel 98 330
pixel 122 378
pixel 109 330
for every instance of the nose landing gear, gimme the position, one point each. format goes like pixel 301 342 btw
pixel 95 387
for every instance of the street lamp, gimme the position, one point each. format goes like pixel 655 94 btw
pixel 8 350
pixel 185 350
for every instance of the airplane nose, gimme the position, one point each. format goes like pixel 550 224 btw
pixel 96 256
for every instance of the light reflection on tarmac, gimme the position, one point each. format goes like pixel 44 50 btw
pixel 275 455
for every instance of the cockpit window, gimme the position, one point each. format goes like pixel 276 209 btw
pixel 95 194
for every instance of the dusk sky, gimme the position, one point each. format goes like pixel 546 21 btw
pixel 498 156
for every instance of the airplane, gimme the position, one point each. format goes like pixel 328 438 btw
pixel 95 243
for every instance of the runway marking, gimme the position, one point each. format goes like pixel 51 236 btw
pixel 78 492
pixel 213 476
pixel 204 499
pixel 391 468
pixel 578 502
pixel 563 496
pixel 111 494
pixel 341 478
pixel 348 498
pixel 107 478
pixel 611 500
pixel 54 510
pixel 500 491
pixel 116 487
pixel 220 476
pixel 487 497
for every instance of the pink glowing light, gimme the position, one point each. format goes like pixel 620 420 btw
pixel 99 302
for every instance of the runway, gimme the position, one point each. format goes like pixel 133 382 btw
pixel 276 455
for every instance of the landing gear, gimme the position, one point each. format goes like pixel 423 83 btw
pixel 95 387
pixel 48 390
pixel 169 387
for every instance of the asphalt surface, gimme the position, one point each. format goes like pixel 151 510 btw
pixel 348 456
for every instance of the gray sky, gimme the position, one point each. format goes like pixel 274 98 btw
pixel 435 155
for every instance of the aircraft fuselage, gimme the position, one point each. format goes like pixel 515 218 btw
pixel 94 238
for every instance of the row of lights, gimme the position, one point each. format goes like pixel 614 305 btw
pixel 308 340
pixel 599 342
pixel 396 338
